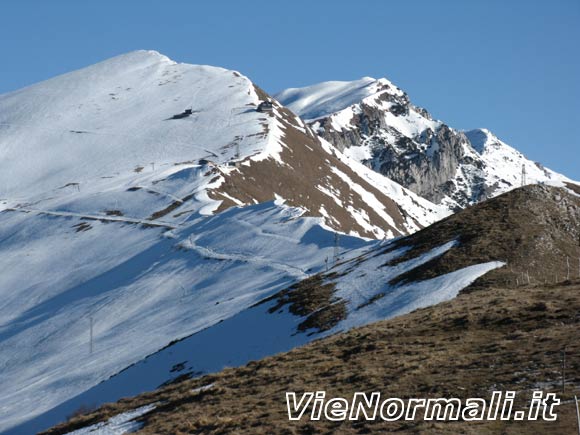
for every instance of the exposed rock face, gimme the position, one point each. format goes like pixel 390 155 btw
pixel 374 122
pixel 426 163
pixel 427 175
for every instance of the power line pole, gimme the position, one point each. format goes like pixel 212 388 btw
pixel 91 335
pixel 335 248
pixel 577 413
pixel 524 181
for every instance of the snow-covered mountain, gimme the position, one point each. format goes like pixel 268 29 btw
pixel 137 125
pixel 243 324
pixel 143 201
pixel 157 220
pixel 373 122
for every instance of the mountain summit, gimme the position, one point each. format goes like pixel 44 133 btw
pixel 143 120
pixel 375 123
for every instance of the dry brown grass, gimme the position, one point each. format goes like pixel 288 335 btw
pixel 306 166
pixel 532 229
pixel 500 338
pixel 314 300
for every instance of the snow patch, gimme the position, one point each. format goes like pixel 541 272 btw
pixel 117 425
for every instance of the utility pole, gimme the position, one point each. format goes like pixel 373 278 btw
pixel 335 248
pixel 183 292
pixel 523 175
pixel 91 334
pixel 577 413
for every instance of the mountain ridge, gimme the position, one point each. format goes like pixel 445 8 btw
pixel 375 123
pixel 151 207
pixel 129 115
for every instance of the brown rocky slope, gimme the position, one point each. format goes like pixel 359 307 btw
pixel 307 172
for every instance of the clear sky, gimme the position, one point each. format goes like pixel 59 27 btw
pixel 512 66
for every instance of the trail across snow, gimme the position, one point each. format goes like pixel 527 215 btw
pixel 155 223
pixel 257 331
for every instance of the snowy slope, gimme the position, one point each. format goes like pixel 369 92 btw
pixel 102 141
pixel 421 212
pixel 373 122
pixel 327 98
pixel 143 288
pixel 111 117
pixel 264 330
pixel 502 162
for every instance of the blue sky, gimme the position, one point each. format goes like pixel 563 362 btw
pixel 511 66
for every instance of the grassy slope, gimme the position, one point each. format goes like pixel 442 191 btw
pixel 498 338
pixel 532 229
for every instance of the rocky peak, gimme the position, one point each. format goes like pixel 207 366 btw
pixel 375 123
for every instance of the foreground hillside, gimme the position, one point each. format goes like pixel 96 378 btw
pixel 242 285
pixel 506 254
pixel 535 230
pixel 497 339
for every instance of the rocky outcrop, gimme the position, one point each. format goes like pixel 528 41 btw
pixel 424 164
